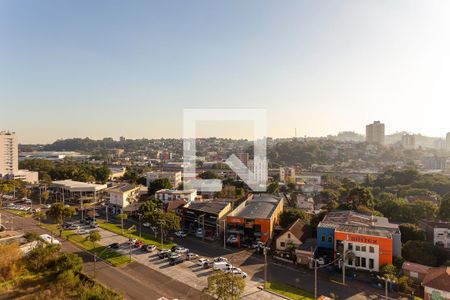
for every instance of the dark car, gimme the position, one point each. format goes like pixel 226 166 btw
pixel 176 261
pixel 114 246
pixel 163 254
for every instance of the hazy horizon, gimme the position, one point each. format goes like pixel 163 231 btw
pixel 108 69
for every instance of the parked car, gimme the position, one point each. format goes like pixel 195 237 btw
pixel 146 224
pixel 180 234
pixel 176 261
pixel 82 231
pixel 181 250
pixel 150 248
pixel 114 246
pixel 321 261
pixel 132 241
pixel 46 205
pixel 232 239
pixel 138 244
pixel 163 254
pixel 202 261
pixel 236 271
pixel 257 245
pixel 93 225
pixel 191 256
pixel 222 266
pixel 73 227
pixel 174 255
pixel 220 259
pixel 199 232
pixel 49 239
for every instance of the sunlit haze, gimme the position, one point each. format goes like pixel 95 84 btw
pixel 119 68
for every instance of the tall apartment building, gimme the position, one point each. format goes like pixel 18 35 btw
pixel 409 141
pixel 448 141
pixel 9 154
pixel 375 133
pixel 286 174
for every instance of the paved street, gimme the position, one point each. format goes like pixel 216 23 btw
pixel 134 281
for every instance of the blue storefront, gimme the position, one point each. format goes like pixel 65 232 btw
pixel 325 242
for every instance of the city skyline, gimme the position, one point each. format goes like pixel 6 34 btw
pixel 130 70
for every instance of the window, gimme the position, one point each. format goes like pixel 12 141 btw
pixel 283 244
pixel 323 238
pixel 350 262
pixel 330 239
pixel 357 261
pixel 371 263
pixel 363 248
pixel 363 262
pixel 358 248
pixel 350 246
pixel 289 235
pixel 371 249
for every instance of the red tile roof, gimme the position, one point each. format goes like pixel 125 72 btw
pixel 438 278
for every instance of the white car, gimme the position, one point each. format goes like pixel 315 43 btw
pixel 174 255
pixel 150 248
pixel 236 271
pixel 180 234
pixel 191 256
pixel 132 241
pixel 320 261
pixel 146 224
pixel 181 250
pixel 82 231
pixel 232 239
pixel 49 239
pixel 202 261
pixel 220 259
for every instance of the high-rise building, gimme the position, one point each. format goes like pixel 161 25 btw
pixel 409 141
pixel 448 141
pixel 375 133
pixel 9 154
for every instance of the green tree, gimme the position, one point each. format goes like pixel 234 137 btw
pixel 122 217
pixel 389 269
pixel 424 253
pixel 58 212
pixel 40 215
pixel 225 286
pixel 44 196
pixel 208 175
pixel 273 188
pixel 158 184
pixel 41 257
pixel 290 215
pixel 332 205
pixel 444 209
pixel 94 237
pixel 330 195
pixel 411 232
pixel 68 261
pixel 360 196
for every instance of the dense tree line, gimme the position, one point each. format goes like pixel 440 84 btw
pixel 67 169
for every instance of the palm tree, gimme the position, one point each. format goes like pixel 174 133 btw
pixel 122 217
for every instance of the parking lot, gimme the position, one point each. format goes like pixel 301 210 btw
pixel 188 272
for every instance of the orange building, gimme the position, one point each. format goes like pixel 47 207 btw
pixel 255 218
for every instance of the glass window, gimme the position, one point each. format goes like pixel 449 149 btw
pixel 350 246
pixel 357 261
pixel 358 248
pixel 350 262
pixel 323 238
pixel 370 263
pixel 283 244
pixel 289 235
pixel 330 239
pixel 371 249
pixel 363 262
pixel 363 248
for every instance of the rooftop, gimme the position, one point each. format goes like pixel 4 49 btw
pixel 354 222
pixel 437 224
pixel 212 207
pixel 415 267
pixel 438 278
pixel 77 186
pixel 123 188
pixel 175 191
pixel 260 207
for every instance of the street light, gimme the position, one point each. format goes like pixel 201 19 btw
pixel 161 222
pixel 140 225
pixel 265 249
pixel 386 281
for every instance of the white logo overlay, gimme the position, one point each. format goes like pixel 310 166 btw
pixel 256 179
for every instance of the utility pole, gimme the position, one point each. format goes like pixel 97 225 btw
pixel 315 279
pixel 224 234
pixel 343 264
pixel 140 225
pixel 265 266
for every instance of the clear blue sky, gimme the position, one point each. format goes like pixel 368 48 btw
pixel 111 68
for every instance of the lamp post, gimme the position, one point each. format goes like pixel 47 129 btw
pixel 140 225
pixel 386 281
pixel 161 222
pixel 265 249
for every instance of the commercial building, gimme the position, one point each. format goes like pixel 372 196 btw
pixel 122 196
pixel 9 154
pixel 437 232
pixel 415 271
pixel 166 195
pixel 27 176
pixel 372 239
pixel 208 215
pixel 375 133
pixel 76 190
pixel 436 284
pixel 175 178
pixel 52 155
pixel 255 218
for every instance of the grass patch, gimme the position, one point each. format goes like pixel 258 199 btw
pixel 109 255
pixel 20 213
pixel 289 291
pixel 146 238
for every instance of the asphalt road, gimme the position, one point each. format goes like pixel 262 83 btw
pixel 134 281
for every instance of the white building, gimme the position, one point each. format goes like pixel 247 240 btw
pixel 117 172
pixel 292 236
pixel 27 176
pixel 167 195
pixel 123 195
pixel 9 154
pixel 175 178
pixel 437 232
